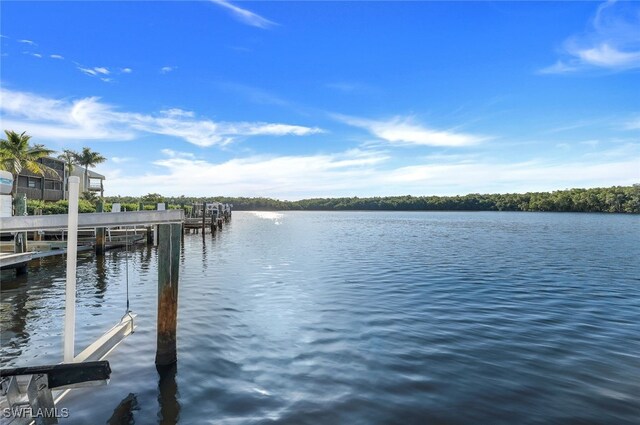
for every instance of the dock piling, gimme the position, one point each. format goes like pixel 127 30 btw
pixel 100 242
pixel 204 216
pixel 168 278
pixel 20 239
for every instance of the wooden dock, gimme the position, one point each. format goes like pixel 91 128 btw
pixel 16 261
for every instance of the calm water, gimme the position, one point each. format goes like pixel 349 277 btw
pixel 361 318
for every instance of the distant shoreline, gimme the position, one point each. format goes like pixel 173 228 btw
pixel 616 199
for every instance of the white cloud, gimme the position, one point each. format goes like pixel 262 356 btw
pixel 88 71
pixel 282 176
pixel 402 130
pixel 177 112
pixel 126 70
pixel 166 69
pixel 98 72
pixel 559 67
pixel 121 159
pixel 89 118
pixel 29 42
pixel 611 42
pixel 56 57
pixel 245 16
pixel 366 173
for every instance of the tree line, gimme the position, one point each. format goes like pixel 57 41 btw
pixel 616 199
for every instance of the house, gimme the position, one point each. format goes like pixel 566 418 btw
pixel 94 183
pixel 48 187
pixel 52 186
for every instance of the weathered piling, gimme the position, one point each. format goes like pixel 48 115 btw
pixel 100 240
pixel 204 216
pixel 20 239
pixel 168 277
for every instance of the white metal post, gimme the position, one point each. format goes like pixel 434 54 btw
pixel 72 257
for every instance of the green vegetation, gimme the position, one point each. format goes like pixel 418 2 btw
pixel 617 199
pixel 17 154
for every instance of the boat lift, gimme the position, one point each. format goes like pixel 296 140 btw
pixel 37 389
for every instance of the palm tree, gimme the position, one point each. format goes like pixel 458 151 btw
pixel 88 158
pixel 16 154
pixel 70 159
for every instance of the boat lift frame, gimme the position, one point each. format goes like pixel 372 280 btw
pixel 169 224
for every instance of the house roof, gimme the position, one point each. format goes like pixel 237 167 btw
pixel 79 171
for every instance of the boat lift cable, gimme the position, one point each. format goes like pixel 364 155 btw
pixel 126 259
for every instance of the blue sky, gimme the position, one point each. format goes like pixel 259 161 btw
pixel 308 99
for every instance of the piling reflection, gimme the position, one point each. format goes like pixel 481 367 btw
pixel 205 263
pixel 101 276
pixel 169 412
pixel 123 413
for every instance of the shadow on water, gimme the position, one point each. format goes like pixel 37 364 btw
pixel 168 395
pixel 123 413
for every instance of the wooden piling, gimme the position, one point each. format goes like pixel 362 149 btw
pixel 20 239
pixel 204 216
pixel 168 278
pixel 100 242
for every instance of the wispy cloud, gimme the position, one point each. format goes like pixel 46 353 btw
pixel 289 176
pixel 98 71
pixel 35 55
pixel 611 42
pixel 368 173
pixel 89 118
pixel 121 159
pixel 56 57
pixel 126 70
pixel 404 131
pixel 29 42
pixel 167 69
pixel 245 16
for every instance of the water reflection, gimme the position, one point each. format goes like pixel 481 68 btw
pixel 168 395
pixel 101 276
pixel 15 335
pixel 204 253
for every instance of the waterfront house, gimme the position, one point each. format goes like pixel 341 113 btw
pixel 47 187
pixel 94 183
pixel 52 186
